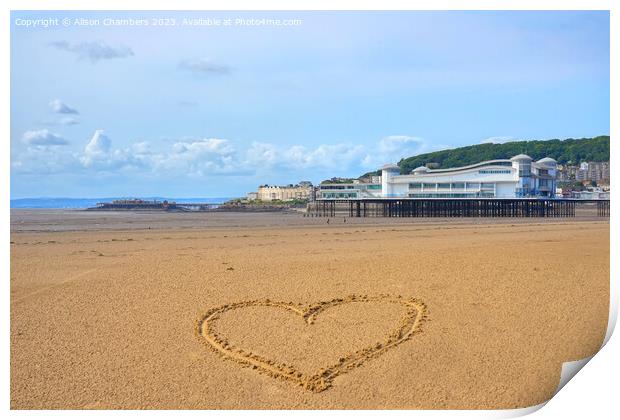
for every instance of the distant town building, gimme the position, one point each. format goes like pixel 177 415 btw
pixel 285 193
pixel 598 172
pixel 567 173
pixel 252 196
pixel 519 176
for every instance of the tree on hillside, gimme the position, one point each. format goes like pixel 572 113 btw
pixel 572 151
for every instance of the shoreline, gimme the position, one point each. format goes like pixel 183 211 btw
pixel 54 220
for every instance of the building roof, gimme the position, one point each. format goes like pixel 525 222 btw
pixel 420 169
pixel 496 162
pixel 521 157
pixel 547 160
pixel 388 166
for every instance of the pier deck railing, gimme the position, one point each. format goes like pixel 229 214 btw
pixel 441 207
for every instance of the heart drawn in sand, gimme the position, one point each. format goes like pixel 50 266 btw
pixel 319 381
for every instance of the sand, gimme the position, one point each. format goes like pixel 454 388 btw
pixel 468 314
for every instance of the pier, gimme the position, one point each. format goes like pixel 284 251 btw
pixel 151 205
pixel 461 207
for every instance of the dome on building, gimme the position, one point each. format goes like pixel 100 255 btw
pixel 420 170
pixel 547 161
pixel 520 157
pixel 390 167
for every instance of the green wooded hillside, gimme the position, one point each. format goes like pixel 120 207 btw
pixel 572 151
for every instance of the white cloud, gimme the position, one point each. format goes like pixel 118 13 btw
pixel 142 148
pixel 394 148
pixel 264 156
pixel 204 147
pixel 60 107
pixel 218 157
pixel 68 121
pixel 42 161
pixel 338 158
pixel 209 156
pixel 43 156
pixel 99 155
pixel 203 66
pixel 94 51
pixel 99 144
pixel 327 156
pixel 399 144
pixel 43 137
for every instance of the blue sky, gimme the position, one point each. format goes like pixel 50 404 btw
pixel 215 111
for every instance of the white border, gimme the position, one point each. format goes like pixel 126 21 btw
pixel 591 395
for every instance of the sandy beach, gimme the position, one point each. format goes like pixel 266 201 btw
pixel 126 310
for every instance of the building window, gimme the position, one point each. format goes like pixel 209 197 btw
pixel 415 186
pixel 487 186
pixel 525 169
pixel 429 186
pixel 473 186
pixel 458 186
pixel 374 187
pixel 494 171
pixel 443 186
